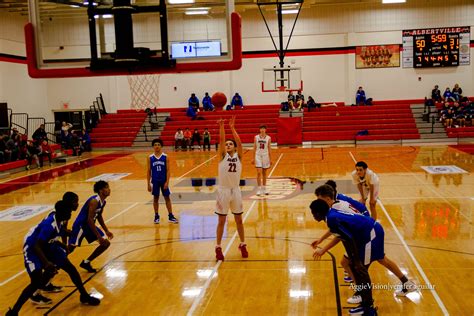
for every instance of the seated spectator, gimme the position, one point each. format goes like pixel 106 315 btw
pixel 12 149
pixel 45 151
pixel 311 104
pixel 299 99
pixel 76 145
pixel 457 92
pixel 284 106
pixel 460 117
pixel 30 152
pixel 66 139
pixel 65 127
pixel 207 103
pixel 86 141
pixel 193 101
pixel 360 96
pixel 178 139
pixel 436 94
pixel 207 139
pixel 448 95
pixel 3 147
pixel 447 118
pixel 237 101
pixel 291 100
pixel 187 138
pixel 196 138
pixel 191 112
pixel 39 134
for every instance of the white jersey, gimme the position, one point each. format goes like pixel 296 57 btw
pixel 230 169
pixel 370 178
pixel 262 145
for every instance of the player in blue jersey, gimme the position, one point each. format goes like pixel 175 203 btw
pixel 84 225
pixel 44 254
pixel 158 178
pixel 362 238
pixel 325 193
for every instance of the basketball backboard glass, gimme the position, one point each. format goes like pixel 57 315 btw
pixel 164 37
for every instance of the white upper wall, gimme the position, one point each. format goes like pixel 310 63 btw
pixel 326 77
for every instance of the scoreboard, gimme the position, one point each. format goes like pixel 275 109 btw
pixel 437 47
pixel 441 50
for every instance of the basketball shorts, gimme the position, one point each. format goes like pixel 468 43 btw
pixel 83 231
pixel 366 191
pixel 156 187
pixel 228 199
pixel 373 249
pixel 53 252
pixel 262 161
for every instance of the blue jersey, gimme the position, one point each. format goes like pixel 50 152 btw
pixel 206 101
pixel 81 219
pixel 48 230
pixel 357 206
pixel 349 225
pixel 158 167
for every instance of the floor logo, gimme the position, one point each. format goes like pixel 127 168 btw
pixel 109 177
pixel 443 169
pixel 23 212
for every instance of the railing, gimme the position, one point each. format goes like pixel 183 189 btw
pixel 20 122
pixel 53 136
pixel 33 124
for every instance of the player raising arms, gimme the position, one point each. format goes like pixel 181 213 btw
pixel 263 158
pixel 228 192
pixel 84 226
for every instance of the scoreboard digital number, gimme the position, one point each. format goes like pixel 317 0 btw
pixel 436 50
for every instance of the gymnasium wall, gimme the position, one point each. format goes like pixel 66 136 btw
pixel 327 77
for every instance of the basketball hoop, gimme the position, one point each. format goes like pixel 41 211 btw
pixel 144 91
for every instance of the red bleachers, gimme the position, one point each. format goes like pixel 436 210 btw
pixel 247 122
pixel 22 163
pixel 118 129
pixel 383 122
pixel 461 132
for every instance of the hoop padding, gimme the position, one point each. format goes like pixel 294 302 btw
pixel 144 91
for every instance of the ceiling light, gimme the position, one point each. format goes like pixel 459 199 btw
pixel 293 11
pixel 196 12
pixel 104 16
pixel 180 1
pixel 394 1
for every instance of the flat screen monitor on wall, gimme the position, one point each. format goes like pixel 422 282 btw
pixel 195 49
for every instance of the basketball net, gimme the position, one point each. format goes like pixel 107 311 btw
pixel 144 91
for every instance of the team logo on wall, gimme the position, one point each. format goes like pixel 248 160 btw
pixel 23 212
pixel 443 169
pixel 377 56
pixel 108 177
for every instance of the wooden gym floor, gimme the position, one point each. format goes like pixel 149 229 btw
pixel 169 269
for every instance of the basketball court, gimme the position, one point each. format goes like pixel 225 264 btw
pixel 171 269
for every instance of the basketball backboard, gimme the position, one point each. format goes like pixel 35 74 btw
pixel 119 37
pixel 279 79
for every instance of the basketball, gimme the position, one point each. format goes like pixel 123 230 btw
pixel 219 99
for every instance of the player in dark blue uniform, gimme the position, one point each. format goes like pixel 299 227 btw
pixel 84 225
pixel 362 238
pixel 327 194
pixel 158 177
pixel 44 254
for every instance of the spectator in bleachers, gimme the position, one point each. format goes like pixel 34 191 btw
pixel 12 149
pixel 193 101
pixel 14 133
pixel 3 147
pixel 30 152
pixel 447 118
pixel 207 103
pixel 76 145
pixel 207 139
pixel 66 139
pixel 436 94
pixel 187 138
pixel 311 104
pixel 299 99
pixel 196 138
pixel 191 112
pixel 460 117
pixel 284 106
pixel 457 92
pixel 291 100
pixel 86 140
pixel 237 101
pixel 448 95
pixel 360 96
pixel 178 139
pixel 39 134
pixel 45 151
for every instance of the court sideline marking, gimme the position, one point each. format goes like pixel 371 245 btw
pixel 410 254
pixel 108 220
pixel 203 290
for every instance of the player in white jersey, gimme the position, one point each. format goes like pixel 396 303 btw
pixel 367 182
pixel 228 191
pixel 263 159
